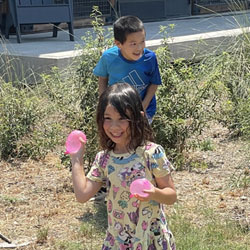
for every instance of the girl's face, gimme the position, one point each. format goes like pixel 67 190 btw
pixel 117 129
pixel 133 48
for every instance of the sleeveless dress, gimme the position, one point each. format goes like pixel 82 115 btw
pixel 132 224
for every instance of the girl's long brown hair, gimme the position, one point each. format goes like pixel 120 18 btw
pixel 126 100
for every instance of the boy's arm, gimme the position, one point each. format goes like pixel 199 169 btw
pixel 149 95
pixel 102 83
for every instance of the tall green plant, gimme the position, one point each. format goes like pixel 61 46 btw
pixel 18 113
pixel 76 94
pixel 234 71
pixel 186 102
pixel 94 44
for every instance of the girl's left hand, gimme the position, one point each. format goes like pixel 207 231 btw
pixel 150 192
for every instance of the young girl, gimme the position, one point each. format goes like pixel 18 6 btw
pixel 129 153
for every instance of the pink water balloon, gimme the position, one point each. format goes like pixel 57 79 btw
pixel 73 142
pixel 138 185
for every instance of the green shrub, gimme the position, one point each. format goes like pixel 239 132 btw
pixel 40 142
pixel 234 70
pixel 194 93
pixel 18 113
pixel 86 82
pixel 35 120
pixel 186 102
pixel 71 96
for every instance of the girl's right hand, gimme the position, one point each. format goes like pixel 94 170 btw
pixel 80 153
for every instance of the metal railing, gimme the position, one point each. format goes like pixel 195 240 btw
pixel 214 6
pixel 83 8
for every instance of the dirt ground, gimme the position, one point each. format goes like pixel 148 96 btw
pixel 38 195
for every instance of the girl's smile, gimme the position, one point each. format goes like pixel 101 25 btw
pixel 117 129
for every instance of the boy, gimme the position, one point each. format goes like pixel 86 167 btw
pixel 129 61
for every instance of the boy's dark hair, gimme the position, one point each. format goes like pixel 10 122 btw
pixel 126 100
pixel 126 25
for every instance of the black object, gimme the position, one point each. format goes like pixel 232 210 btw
pixel 24 12
pixel 153 10
pixel 146 10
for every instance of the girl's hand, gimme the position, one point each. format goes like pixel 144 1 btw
pixel 150 192
pixel 80 153
pixel 164 193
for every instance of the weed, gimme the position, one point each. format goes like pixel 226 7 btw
pixel 64 245
pixel 240 179
pixel 199 165
pixel 12 200
pixel 215 233
pixel 206 145
pixel 42 235
pixel 86 230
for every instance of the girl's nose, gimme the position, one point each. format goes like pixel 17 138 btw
pixel 119 123
pixel 115 124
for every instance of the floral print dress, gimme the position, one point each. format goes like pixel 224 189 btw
pixel 133 225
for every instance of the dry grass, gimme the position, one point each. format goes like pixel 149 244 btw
pixel 37 203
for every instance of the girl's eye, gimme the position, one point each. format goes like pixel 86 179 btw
pixel 106 118
pixel 124 120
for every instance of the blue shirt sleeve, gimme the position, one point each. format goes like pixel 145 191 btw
pixel 156 76
pixel 101 67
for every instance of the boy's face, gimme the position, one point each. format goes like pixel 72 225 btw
pixel 132 49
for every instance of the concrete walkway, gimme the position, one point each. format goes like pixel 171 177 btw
pixel 41 51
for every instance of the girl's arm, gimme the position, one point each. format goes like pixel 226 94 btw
pixel 83 187
pixel 165 191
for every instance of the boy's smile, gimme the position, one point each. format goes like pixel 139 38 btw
pixel 133 48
